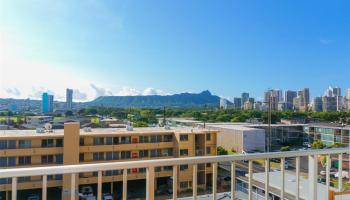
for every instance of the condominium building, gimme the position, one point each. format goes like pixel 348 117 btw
pixel 27 148
pixel 328 133
pixel 69 99
pixel 47 103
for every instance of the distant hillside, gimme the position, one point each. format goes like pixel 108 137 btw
pixel 157 101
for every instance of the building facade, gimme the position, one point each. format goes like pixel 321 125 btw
pixel 69 99
pixel 47 103
pixel 73 146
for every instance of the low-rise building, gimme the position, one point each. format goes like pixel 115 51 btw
pixel 27 148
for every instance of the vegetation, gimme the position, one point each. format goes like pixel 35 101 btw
pixel 221 151
pixel 285 148
pixel 318 144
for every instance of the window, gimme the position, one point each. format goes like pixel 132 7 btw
pixel 109 140
pixel 156 153
pixel 143 153
pixel 208 150
pixel 24 144
pixel 8 144
pixel 183 137
pixel 59 158
pixel 81 157
pixel 98 156
pixel 208 164
pixel 184 184
pixel 47 143
pixel 81 141
pixel 109 155
pixel 24 179
pixel 116 140
pixel 157 169
pixel 116 155
pixel 183 167
pixel 99 141
pixel 208 137
pixel 183 152
pixel 168 138
pixel 142 170
pixel 125 140
pixel 144 139
pixel 168 168
pixel 125 154
pixel 7 161
pixel 24 160
pixel 167 152
pixel 59 143
pixel 47 159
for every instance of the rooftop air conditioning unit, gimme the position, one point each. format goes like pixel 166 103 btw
pixel 87 129
pixel 129 127
pixel 40 130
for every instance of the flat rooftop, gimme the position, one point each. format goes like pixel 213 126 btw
pixel 104 131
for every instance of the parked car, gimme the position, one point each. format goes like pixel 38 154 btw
pixel 107 197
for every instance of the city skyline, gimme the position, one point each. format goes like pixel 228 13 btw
pixel 120 48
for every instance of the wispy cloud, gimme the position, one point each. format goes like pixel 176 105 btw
pixel 326 41
pixel 13 92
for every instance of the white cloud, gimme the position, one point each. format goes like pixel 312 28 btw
pixel 78 95
pixel 13 92
pixel 152 91
pixel 99 91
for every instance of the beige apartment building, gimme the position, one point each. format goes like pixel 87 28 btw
pixel 27 148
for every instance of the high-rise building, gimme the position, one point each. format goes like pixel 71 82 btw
pixel 271 95
pixel 302 101
pixel 329 104
pixel 332 92
pixel 279 95
pixel 245 97
pixel 47 103
pixel 288 99
pixel 336 91
pixel 69 99
pixel 237 103
pixel 223 103
pixel 317 104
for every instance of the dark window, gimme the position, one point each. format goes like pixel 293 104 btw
pixel 24 160
pixel 116 140
pixel 208 137
pixel 99 141
pixel 125 154
pixel 47 159
pixel 183 137
pixel 183 167
pixel 98 156
pixel 59 158
pixel 81 157
pixel 168 138
pixel 143 153
pixel 11 144
pixel 24 144
pixel 208 150
pixel 109 156
pixel 144 139
pixel 59 143
pixel 184 184
pixel 183 152
pixel 125 140
pixel 157 169
pixel 81 141
pixel 47 143
pixel 168 168
pixel 7 161
pixel 156 152
pixel 109 140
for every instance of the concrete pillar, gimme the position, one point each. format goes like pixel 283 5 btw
pixel 150 180
pixel 312 177
pixel 70 157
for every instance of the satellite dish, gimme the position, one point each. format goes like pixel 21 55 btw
pixel 48 126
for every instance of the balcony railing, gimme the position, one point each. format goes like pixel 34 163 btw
pixel 150 165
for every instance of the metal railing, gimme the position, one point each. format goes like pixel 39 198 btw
pixel 175 162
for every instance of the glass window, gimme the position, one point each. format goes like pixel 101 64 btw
pixel 183 167
pixel 153 139
pixel 98 156
pixel 59 143
pixel 125 154
pixel 24 144
pixel 81 157
pixel 109 156
pixel 47 143
pixel 81 141
pixel 125 140
pixel 11 144
pixel 183 137
pixel 168 138
pixel 99 141
pixel 168 152
pixel 3 161
pixel 24 160
pixel 116 155
pixel 11 161
pixel 183 152
pixel 59 158
pixel 144 139
pixel 109 140
pixel 184 184
pixel 3 144
pixel 168 168
pixel 208 150
pixel 157 169
pixel 116 140
pixel 143 153
pixel 208 136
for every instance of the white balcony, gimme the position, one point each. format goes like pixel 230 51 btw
pixel 281 186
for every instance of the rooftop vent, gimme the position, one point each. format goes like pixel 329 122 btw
pixel 129 127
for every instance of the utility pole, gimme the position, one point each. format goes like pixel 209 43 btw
pixel 269 122
pixel 164 119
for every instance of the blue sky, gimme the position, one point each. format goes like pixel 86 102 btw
pixel 165 47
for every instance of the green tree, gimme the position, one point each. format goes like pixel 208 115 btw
pixel 285 148
pixel 68 113
pixel 221 150
pixel 317 144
